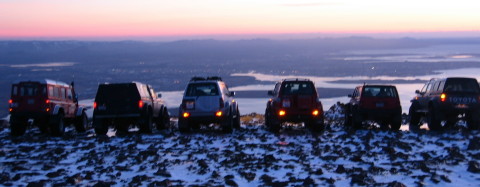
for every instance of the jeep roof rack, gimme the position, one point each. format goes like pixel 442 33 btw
pixel 296 79
pixel 216 78
pixel 193 79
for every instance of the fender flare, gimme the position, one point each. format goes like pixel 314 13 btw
pixel 56 109
pixel 80 111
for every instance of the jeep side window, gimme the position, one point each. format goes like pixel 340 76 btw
pixel 62 93
pixel 426 87
pixel 69 94
pixel 50 91
pixel 441 85
pixel 56 92
pixel 277 89
pixel 434 87
pixel 14 90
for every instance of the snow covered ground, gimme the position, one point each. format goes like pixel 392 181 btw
pixel 251 156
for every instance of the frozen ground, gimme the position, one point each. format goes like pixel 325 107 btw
pixel 251 156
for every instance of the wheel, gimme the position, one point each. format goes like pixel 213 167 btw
pixel 274 123
pixel 146 124
pixel 81 123
pixel 267 118
pixel 227 124
pixel 356 120
pixel 236 120
pixel 315 126
pixel 100 127
pixel 18 126
pixel 414 119
pixel 473 121
pixel 57 125
pixel 183 125
pixel 396 122
pixel 433 120
pixel 163 120
pixel 347 118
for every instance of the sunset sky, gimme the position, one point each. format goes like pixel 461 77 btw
pixel 137 18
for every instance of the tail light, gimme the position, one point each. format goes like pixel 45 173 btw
pixel 282 113
pixel 47 101
pixel 219 114
pixel 140 104
pixel 186 114
pixel 222 104
pixel 94 105
pixel 10 101
pixel 286 103
pixel 315 112
pixel 443 97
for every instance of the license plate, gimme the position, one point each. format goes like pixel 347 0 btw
pixel 31 101
pixel 379 105
pixel 103 107
pixel 462 106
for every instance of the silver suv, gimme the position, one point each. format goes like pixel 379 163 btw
pixel 206 101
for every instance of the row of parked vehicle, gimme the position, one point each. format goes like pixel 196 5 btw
pixel 51 105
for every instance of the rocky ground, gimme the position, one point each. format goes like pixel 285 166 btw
pixel 251 156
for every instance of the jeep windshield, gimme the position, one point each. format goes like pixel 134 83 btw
pixel 28 89
pixel 202 89
pixel 462 85
pixel 379 91
pixel 298 88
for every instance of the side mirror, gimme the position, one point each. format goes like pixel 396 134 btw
pixel 159 95
pixel 232 94
pixel 350 95
pixel 417 91
pixel 270 93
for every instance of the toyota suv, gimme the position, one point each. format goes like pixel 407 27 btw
pixel 294 100
pixel 378 103
pixel 50 104
pixel 445 101
pixel 206 101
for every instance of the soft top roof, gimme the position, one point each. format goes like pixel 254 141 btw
pixel 44 81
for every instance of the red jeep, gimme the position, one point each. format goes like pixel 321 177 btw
pixel 294 100
pixel 51 105
pixel 379 103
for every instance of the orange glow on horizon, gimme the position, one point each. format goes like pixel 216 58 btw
pixel 54 18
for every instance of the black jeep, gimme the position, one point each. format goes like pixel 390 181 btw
pixel 125 104
pixel 444 101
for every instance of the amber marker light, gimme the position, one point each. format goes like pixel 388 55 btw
pixel 282 113
pixel 218 114
pixel 186 114
pixel 315 112
pixel 443 97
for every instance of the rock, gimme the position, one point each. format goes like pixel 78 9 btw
pixel 165 182
pixel 248 175
pixel 340 169
pixel 396 184
pixel 362 179
pixel 474 144
pixel 308 182
pixel 4 177
pixel 230 182
pixel 36 184
pixel 163 172
pixel 266 179
pixel 319 171
pixel 101 184
pixel 75 179
pixel 473 167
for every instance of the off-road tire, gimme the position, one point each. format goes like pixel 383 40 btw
pixel 356 120
pixel 473 121
pixel 163 121
pixel 414 123
pixel 100 127
pixel 236 120
pixel 227 124
pixel 81 123
pixel 57 125
pixel 433 120
pixel 183 125
pixel 18 126
pixel 146 123
pixel 396 122
pixel 347 118
pixel 315 126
